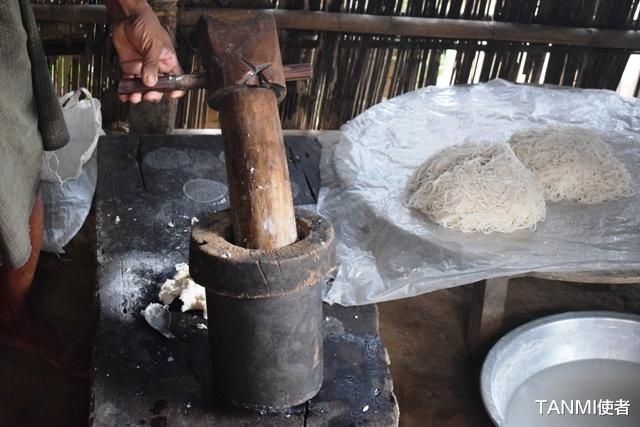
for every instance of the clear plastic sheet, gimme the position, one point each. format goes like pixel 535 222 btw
pixel 388 251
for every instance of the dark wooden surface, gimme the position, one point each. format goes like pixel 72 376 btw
pixel 140 377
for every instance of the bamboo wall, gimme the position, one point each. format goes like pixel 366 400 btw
pixel 353 72
pixel 81 55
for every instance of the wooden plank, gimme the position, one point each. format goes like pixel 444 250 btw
pixel 304 163
pixel 202 157
pixel 139 376
pixel 384 25
pixel 487 313
pixel 170 163
pixel 357 389
pixel 602 277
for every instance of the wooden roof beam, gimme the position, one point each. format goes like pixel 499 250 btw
pixel 380 24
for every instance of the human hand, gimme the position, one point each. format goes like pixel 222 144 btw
pixel 145 49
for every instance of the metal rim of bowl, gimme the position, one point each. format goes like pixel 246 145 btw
pixel 490 363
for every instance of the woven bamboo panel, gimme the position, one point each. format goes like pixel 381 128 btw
pixel 355 71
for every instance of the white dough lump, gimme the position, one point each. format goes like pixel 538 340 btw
pixel 572 163
pixel 477 187
pixel 192 295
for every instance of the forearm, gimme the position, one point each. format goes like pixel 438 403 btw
pixel 122 9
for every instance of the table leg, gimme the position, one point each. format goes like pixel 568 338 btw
pixel 486 314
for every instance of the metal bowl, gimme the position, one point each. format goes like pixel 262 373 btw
pixel 551 341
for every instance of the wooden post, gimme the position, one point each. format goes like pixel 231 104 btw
pixel 145 117
pixel 246 81
pixel 487 313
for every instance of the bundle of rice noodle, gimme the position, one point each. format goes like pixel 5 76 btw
pixel 572 163
pixel 477 187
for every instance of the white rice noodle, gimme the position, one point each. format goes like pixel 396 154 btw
pixel 477 188
pixel 572 163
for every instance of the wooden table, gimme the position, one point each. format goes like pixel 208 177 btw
pixel 490 296
pixel 149 189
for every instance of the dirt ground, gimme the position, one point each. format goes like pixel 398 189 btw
pixel 435 379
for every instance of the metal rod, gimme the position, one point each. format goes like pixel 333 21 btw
pixel 292 72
